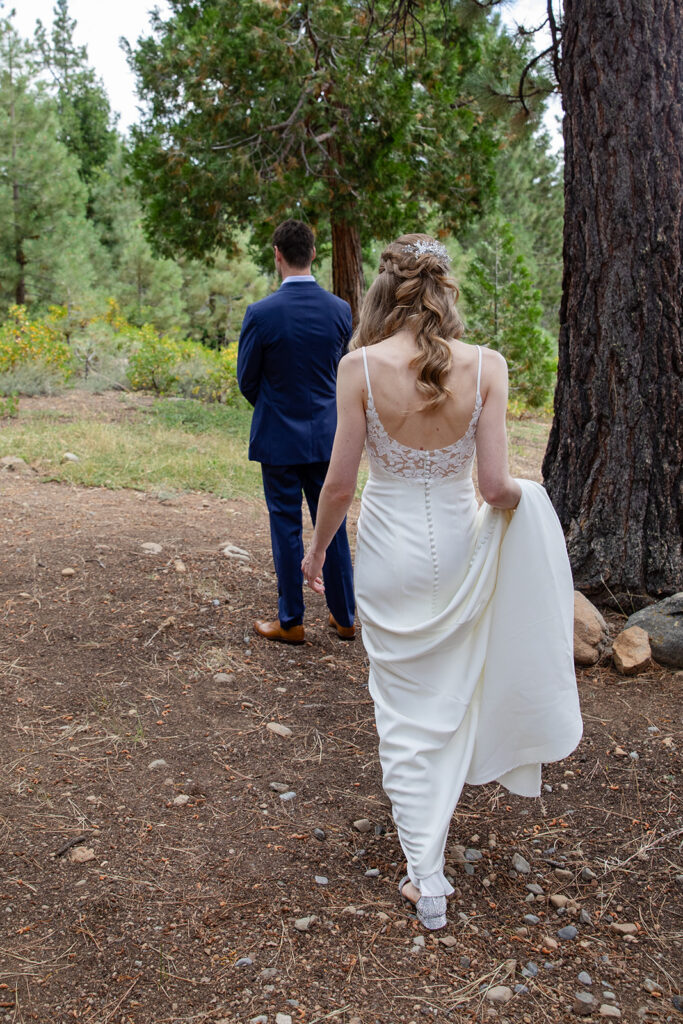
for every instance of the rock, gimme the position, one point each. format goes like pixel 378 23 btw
pixel 68 571
pixel 588 875
pixel 500 994
pixel 232 551
pixel 150 548
pixel 224 677
pixel 663 623
pixel 631 651
pixel 70 457
pixel 651 986
pixel 278 787
pixel 530 970
pixel 279 729
pixel 303 924
pixel 559 900
pixel 179 565
pixel 584 1003
pixel 283 1018
pixel 289 795
pixel 520 864
pixel 564 874
pixel 384 918
pixel 531 919
pixel 448 941
pixel 607 1010
pixel 521 990
pixel 472 855
pixel 372 873
pixel 419 941
pixel 535 889
pixel 14 464
pixel 159 763
pixel 362 825
pixel 585 978
pixel 321 880
pixel 261 1019
pixel 590 631
pixel 567 933
pixel 624 929
pixel 584 917
pixel 181 800
pixel 319 834
pixel 81 855
pixel 549 942
pixel 244 961
pixel 268 973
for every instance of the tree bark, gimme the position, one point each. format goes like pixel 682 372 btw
pixel 348 281
pixel 613 463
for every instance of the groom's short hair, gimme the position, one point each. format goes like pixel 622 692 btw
pixel 296 243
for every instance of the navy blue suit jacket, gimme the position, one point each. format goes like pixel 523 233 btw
pixel 289 349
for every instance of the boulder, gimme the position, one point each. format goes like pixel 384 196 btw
pixel 14 464
pixel 590 631
pixel 663 623
pixel 632 652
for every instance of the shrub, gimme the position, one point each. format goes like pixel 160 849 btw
pixel 25 341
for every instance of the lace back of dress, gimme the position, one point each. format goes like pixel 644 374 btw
pixel 455 460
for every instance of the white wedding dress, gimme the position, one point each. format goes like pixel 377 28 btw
pixel 468 626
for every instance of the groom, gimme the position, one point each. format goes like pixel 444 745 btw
pixel 290 345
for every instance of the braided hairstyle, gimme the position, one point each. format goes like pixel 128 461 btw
pixel 414 289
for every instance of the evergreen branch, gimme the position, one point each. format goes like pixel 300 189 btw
pixel 556 36
pixel 523 77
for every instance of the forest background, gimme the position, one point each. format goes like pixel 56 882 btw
pixel 97 286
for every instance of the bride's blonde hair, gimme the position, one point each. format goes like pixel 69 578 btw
pixel 414 288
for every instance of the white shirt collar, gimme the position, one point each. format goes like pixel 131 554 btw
pixel 298 277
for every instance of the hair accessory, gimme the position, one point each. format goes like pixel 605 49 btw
pixel 432 247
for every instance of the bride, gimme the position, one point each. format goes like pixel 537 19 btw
pixel 467 612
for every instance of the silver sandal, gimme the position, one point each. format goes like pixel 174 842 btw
pixel 430 910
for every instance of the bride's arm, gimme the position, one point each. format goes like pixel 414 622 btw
pixel 496 486
pixel 340 482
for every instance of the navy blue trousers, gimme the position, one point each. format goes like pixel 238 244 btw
pixel 283 487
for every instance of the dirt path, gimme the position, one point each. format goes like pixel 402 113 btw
pixel 120 737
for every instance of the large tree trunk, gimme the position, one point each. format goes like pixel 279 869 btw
pixel 348 281
pixel 613 463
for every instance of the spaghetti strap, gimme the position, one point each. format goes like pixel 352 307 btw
pixel 478 372
pixel 367 375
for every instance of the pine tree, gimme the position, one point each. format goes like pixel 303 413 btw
pixel 46 245
pixel 503 309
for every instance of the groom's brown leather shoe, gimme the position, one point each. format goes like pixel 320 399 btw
pixel 274 631
pixel 343 632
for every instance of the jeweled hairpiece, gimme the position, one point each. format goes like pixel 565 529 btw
pixel 433 248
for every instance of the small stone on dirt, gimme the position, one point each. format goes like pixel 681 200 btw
pixel 159 763
pixel 181 800
pixel 607 1010
pixel 584 1003
pixel 568 933
pixel 362 825
pixel 81 855
pixel 499 994
pixel 448 941
pixel 70 457
pixel 319 834
pixel 279 787
pixel 68 571
pixel 289 795
pixel 631 651
pixel 651 986
pixel 232 551
pixel 150 548
pixel 321 880
pixel 372 873
pixel 244 961
pixel 303 924
pixel 279 729
pixel 283 1018
pixel 531 919
pixel 624 929
pixel 179 565
pixel 520 864
pixel 585 978
pixel 224 677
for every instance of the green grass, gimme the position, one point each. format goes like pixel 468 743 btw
pixel 172 448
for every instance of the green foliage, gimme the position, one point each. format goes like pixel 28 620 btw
pixel 46 243
pixel 257 111
pixel 23 340
pixel 503 310
pixel 84 113
pixel 9 405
